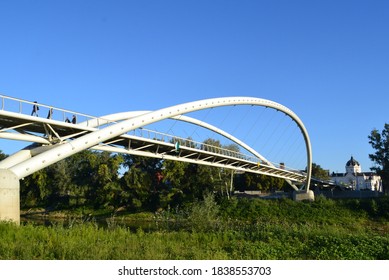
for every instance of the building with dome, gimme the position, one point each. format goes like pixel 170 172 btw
pixel 357 180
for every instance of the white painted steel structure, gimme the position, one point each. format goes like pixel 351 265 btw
pixel 56 139
pixel 101 133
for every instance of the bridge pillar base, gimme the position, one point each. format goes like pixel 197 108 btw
pixel 9 197
pixel 303 195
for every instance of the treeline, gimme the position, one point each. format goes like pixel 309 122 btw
pixel 115 181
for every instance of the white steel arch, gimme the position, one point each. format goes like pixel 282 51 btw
pixel 94 138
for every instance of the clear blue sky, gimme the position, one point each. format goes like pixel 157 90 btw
pixel 326 60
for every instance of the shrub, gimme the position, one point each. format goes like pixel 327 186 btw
pixel 204 215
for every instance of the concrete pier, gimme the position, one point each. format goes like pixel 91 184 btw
pixel 303 195
pixel 9 196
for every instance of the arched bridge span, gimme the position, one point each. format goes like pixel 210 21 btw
pixel 96 137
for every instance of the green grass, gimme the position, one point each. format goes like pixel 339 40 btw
pixel 235 229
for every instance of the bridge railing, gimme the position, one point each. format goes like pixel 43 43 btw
pixel 25 107
pixel 190 143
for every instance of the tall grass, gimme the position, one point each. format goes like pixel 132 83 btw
pixel 234 229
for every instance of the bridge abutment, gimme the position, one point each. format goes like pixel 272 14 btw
pixel 9 196
pixel 303 195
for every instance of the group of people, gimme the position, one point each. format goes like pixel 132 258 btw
pixel 74 120
pixel 35 109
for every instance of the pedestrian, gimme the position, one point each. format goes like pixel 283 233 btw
pixel 50 114
pixel 35 109
pixel 74 119
pixel 67 120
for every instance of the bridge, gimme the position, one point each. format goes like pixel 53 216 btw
pixel 61 133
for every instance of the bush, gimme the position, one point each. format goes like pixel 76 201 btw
pixel 204 215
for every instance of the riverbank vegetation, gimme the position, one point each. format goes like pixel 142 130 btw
pixel 103 206
pixel 101 180
pixel 214 228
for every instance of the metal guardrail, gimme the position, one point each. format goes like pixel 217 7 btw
pixel 155 135
pixel 185 142
pixel 25 107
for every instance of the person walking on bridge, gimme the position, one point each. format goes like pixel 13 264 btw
pixel 35 109
pixel 50 113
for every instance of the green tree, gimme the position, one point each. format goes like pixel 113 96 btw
pixel 80 169
pixel 213 179
pixel 261 182
pixel 380 143
pixel 176 181
pixel 2 155
pixel 106 181
pixel 141 185
pixel 319 173
pixel 35 190
pixel 188 182
pixel 136 188
pixel 60 181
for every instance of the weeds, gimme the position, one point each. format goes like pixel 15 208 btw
pixel 234 229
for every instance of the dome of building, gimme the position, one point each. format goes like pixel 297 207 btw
pixel 352 162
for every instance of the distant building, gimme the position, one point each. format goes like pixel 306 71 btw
pixel 355 179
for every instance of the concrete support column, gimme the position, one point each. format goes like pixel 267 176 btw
pixel 303 195
pixel 9 196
